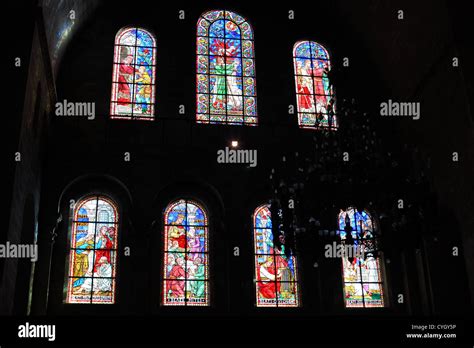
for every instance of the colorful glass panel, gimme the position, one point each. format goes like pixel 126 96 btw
pixel 276 273
pixel 362 277
pixel 186 255
pixel 93 252
pixel 133 79
pixel 314 95
pixel 226 87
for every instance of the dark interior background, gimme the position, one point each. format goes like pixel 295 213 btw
pixel 64 158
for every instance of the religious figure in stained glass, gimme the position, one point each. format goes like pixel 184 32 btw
pixel 185 273
pixel 315 97
pixel 276 273
pixel 226 91
pixel 92 256
pixel 362 275
pixel 133 88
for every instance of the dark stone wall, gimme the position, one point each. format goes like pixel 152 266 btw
pixel 414 57
pixel 29 139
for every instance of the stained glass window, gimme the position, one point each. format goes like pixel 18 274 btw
pixel 362 275
pixel 226 90
pixel 133 80
pixel 186 255
pixel 315 97
pixel 275 273
pixel 93 252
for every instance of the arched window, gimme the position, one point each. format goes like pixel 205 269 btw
pixel 133 80
pixel 275 272
pixel 226 90
pixel 186 255
pixel 315 98
pixel 93 251
pixel 362 274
